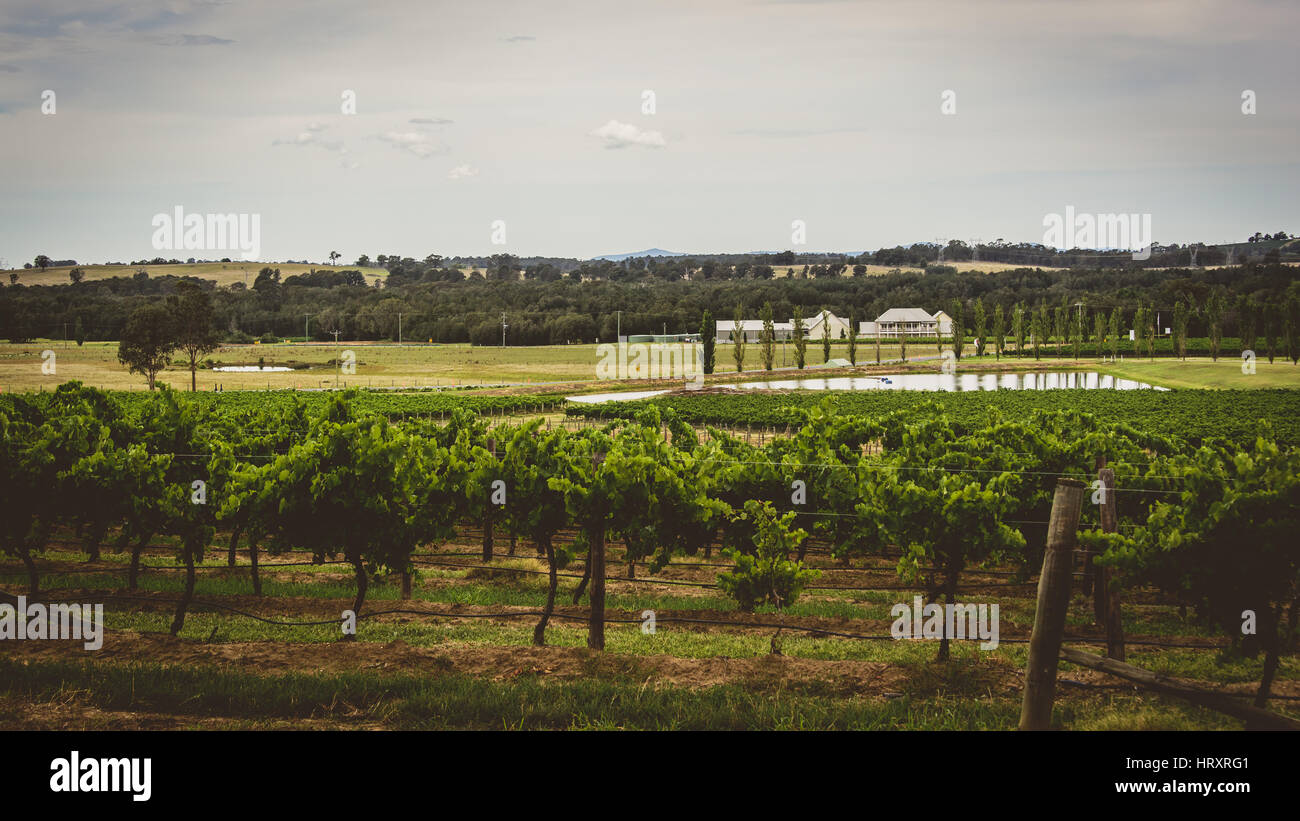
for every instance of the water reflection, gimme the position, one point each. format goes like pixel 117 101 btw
pixel 918 382
pixel 959 382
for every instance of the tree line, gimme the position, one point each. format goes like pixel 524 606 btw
pixel 559 311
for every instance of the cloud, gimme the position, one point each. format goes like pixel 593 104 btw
pixel 431 121
pixel 311 136
pixel 787 133
pixel 416 142
pixel 521 38
pixel 462 171
pixel 8 69
pixel 192 40
pixel 621 135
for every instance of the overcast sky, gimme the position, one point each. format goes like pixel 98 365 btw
pixel 532 113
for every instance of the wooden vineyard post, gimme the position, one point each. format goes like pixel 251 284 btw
pixel 1053 602
pixel 1107 600
pixel 487 517
pixel 1091 573
pixel 596 621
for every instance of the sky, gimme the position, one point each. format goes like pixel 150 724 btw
pixel 524 127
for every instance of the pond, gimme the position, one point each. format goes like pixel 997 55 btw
pixel 1038 381
pixel 252 369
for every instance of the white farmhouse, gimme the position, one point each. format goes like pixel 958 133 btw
pixel 908 322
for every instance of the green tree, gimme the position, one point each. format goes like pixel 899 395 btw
pixel 1062 329
pixel 194 325
pixel 1151 332
pixel 147 341
pixel 999 328
pixel 768 575
pixel 981 327
pixel 738 340
pixel 853 338
pixel 709 338
pixel 1269 317
pixel 1040 329
pixel 826 338
pixel 1018 327
pixel 1215 307
pixel 1181 316
pixel 79 332
pixel 1112 332
pixel 1290 326
pixel 958 328
pixel 1140 321
pixel 1249 312
pixel 767 337
pixel 800 341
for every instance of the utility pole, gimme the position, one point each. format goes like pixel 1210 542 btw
pixel 399 327
pixel 618 333
pixel 503 329
pixel 338 363
pixel 306 320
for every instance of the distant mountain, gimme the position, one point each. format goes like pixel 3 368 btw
pixel 653 252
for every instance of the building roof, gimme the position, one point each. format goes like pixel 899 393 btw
pixel 752 325
pixel 905 315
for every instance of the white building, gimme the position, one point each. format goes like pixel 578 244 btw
pixel 837 328
pixel 909 322
pixel 812 328
pixel 751 328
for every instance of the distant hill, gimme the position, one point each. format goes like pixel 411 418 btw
pixel 223 273
pixel 653 252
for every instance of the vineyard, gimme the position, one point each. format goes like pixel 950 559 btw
pixel 1191 416
pixel 407 560
pixel 351 531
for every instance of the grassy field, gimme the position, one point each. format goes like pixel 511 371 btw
pixel 879 270
pixel 459 653
pixel 424 365
pixel 386 364
pixel 223 273
pixel 1206 373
